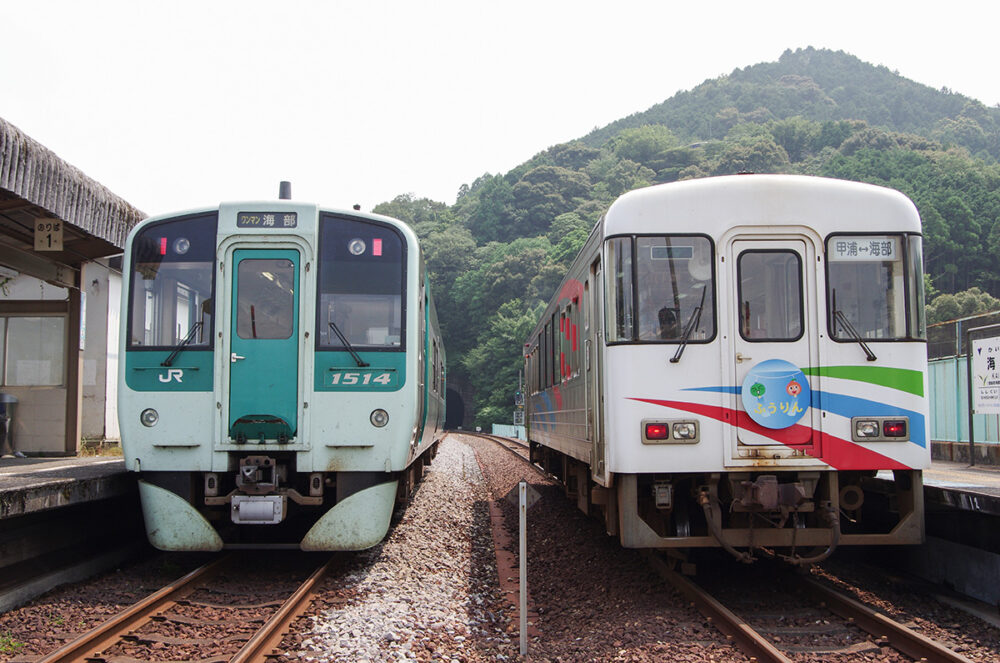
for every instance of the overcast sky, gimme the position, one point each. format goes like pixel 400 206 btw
pixel 179 104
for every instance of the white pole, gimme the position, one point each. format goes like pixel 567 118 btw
pixel 522 492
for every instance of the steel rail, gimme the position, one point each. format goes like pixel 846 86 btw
pixel 913 644
pixel 89 646
pixel 263 643
pixel 749 641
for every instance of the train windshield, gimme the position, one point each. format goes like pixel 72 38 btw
pixel 172 281
pixel 875 287
pixel 661 289
pixel 361 285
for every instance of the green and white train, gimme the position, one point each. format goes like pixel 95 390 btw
pixel 281 377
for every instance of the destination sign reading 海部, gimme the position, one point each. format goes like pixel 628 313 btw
pixel 268 220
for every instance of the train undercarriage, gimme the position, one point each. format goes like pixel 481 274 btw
pixel 798 516
pixel 264 501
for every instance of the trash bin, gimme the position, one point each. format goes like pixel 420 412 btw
pixel 7 406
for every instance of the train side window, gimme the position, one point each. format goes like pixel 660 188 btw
pixel 621 295
pixel 546 381
pixel 915 280
pixel 553 351
pixel 770 295
pixel 172 280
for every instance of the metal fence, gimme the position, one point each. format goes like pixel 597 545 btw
pixel 510 431
pixel 948 386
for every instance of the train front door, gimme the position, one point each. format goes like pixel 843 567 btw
pixel 773 284
pixel 264 345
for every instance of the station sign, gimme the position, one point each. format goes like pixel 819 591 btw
pixel 48 234
pixel 986 375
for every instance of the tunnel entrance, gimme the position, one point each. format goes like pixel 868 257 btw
pixel 455 410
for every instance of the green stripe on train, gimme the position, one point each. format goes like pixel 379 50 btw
pixel 903 379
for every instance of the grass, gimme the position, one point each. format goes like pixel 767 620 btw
pixel 92 448
pixel 8 645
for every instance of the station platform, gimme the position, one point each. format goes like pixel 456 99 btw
pixel 957 485
pixel 29 485
pixel 36 484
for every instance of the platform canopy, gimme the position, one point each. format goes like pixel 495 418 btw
pixel 35 185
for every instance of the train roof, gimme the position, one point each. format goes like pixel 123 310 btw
pixel 278 206
pixel 714 205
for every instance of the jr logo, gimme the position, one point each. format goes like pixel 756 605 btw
pixel 172 374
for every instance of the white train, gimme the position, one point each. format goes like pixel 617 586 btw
pixel 729 359
pixel 282 377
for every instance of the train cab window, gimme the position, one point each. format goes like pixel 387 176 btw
pixel 361 284
pixel 770 294
pixel 172 280
pixel 667 290
pixel 875 287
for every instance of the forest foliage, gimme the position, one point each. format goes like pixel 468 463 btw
pixel 498 253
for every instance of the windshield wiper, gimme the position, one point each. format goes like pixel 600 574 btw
pixel 691 325
pixel 343 339
pixel 180 346
pixel 839 316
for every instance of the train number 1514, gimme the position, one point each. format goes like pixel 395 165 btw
pixel 346 378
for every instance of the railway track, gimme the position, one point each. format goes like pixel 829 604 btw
pixel 827 625
pixel 517 447
pixel 200 610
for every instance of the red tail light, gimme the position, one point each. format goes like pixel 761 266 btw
pixel 657 431
pixel 894 428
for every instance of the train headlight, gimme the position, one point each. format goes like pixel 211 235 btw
pixel 866 428
pixel 686 430
pixel 149 417
pixel 356 246
pixel 379 418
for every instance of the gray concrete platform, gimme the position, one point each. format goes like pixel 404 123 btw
pixel 980 479
pixel 28 485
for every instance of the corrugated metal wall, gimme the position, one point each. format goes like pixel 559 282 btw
pixel 949 403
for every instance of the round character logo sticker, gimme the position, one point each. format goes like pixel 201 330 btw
pixel 775 393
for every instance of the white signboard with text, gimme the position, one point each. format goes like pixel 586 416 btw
pixel 986 375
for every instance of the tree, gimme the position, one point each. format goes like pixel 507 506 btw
pixel 759 154
pixel 796 135
pixel 493 364
pixel 541 195
pixel 961 305
pixel 646 145
pixel 422 214
pixel 492 209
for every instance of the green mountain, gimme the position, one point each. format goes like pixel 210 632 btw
pixel 497 254
pixel 822 86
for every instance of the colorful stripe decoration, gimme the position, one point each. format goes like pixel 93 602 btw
pixel 903 379
pixel 838 453
pixel 849 406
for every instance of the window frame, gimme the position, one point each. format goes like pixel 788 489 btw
pixel 209 333
pixel 4 349
pixel 329 219
pixel 801 293
pixel 608 284
pixel 909 322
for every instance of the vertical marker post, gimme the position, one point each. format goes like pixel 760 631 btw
pixel 522 499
